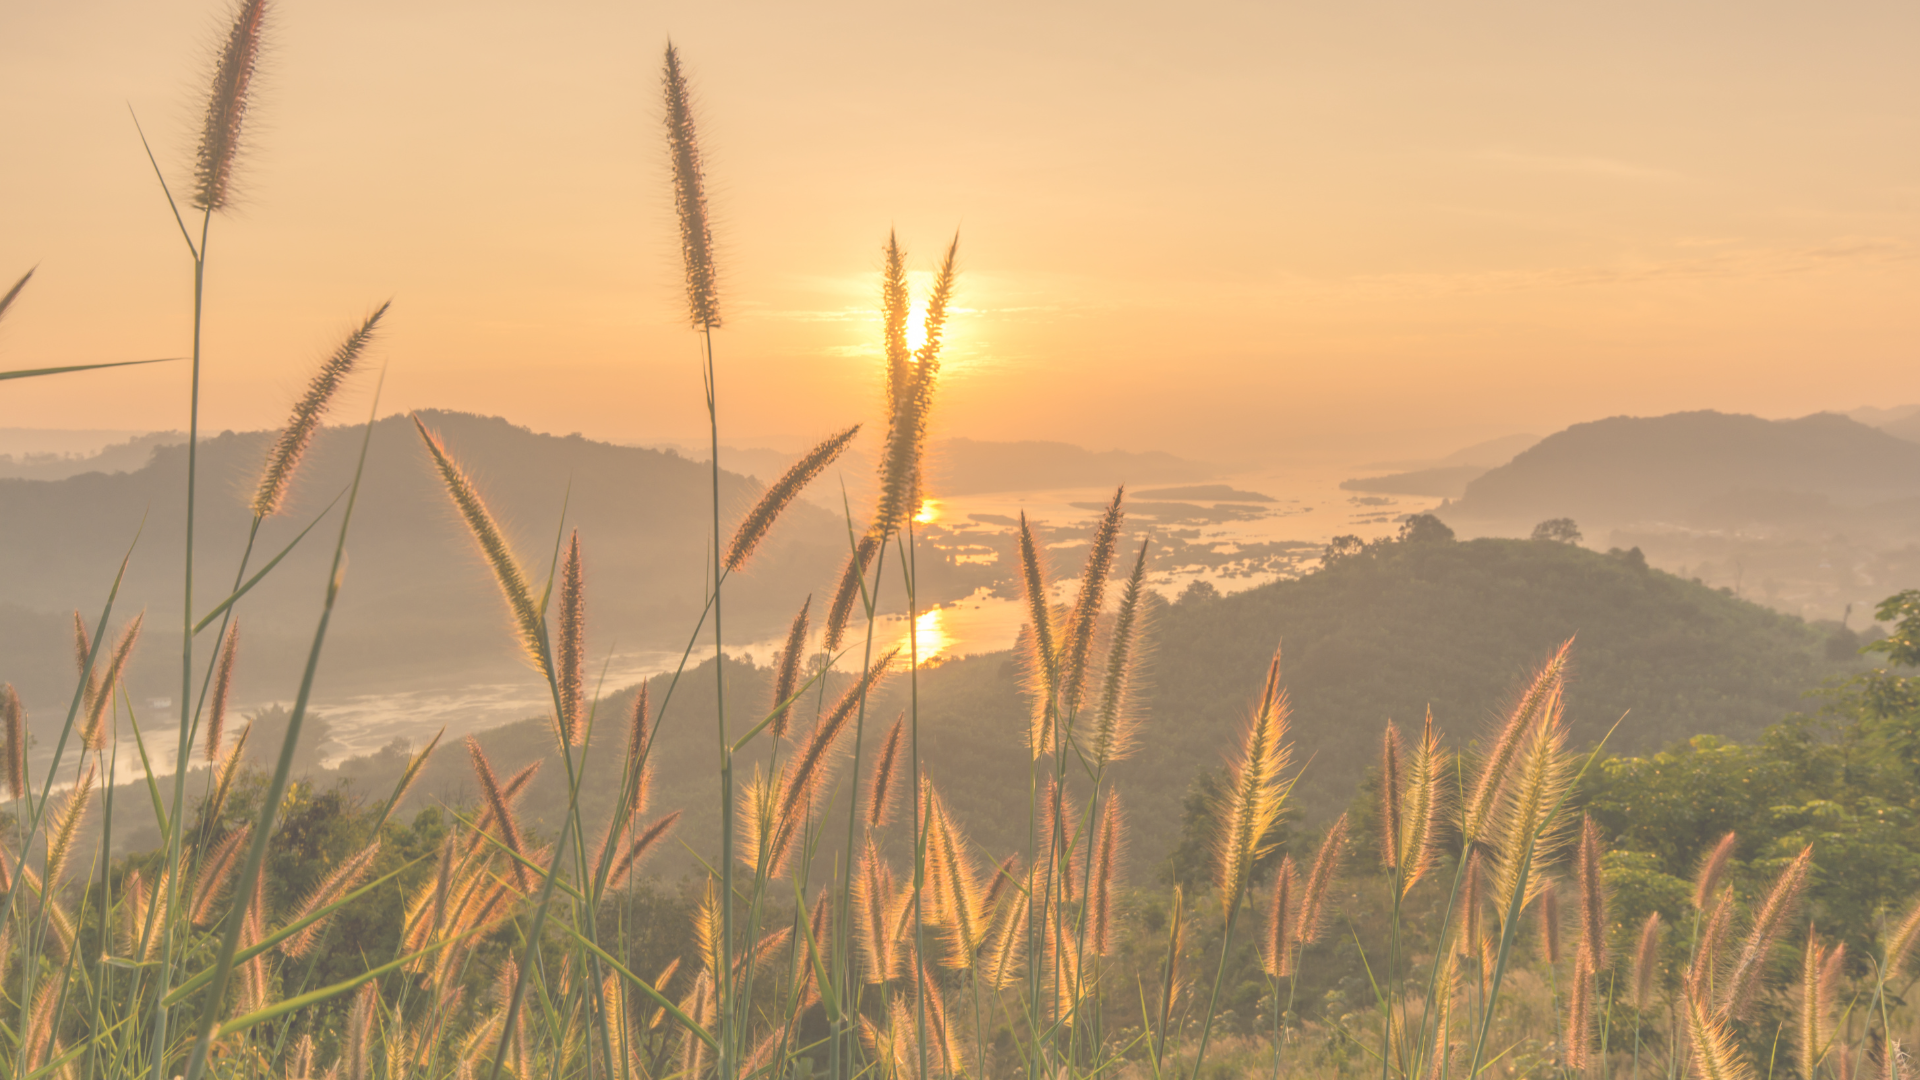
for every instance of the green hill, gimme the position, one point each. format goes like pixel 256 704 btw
pixel 1378 635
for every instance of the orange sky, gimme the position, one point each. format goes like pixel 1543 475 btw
pixel 1237 232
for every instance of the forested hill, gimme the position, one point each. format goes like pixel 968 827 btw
pixel 1378 635
pixel 418 608
pixel 1680 468
pixel 1386 633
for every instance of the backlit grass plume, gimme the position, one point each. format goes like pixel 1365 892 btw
pixel 1252 798
pixel 690 198
pixel 1819 983
pixel 94 734
pixel 759 521
pixel 852 574
pixel 1077 647
pixel 13 727
pixel 885 784
pixel 1526 831
pixel 1276 939
pixel 786 671
pixel 1042 660
pixel 1108 857
pixel 1716 1053
pixel 290 447
pixel 222 692
pixel 493 547
pixel 1490 781
pixel 1421 807
pixel 1646 962
pixel 1311 922
pixel 1593 896
pixel 1706 883
pixel 1114 718
pixel 222 131
pixel 502 813
pixel 571 649
pixel 910 382
pixel 1743 983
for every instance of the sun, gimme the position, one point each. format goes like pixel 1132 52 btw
pixel 917 325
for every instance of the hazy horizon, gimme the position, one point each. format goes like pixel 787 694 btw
pixel 1239 233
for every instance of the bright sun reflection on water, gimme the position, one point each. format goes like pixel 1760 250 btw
pixel 933 639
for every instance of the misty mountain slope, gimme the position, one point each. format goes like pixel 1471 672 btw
pixel 1907 428
pixel 1670 468
pixel 1457 626
pixel 418 603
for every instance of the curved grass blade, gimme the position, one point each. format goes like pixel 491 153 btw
pixel 223 605
pixel 277 786
pixel 28 373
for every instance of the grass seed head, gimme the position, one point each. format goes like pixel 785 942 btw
pixel 13 727
pixel 570 654
pixel 786 671
pixel 760 520
pixel 1646 962
pixel 290 446
pixel 222 692
pixel 1077 648
pixel 221 133
pixel 690 198
pixel 493 547
pixel 1706 883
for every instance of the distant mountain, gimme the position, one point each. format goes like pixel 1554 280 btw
pixel 1692 467
pixel 1446 482
pixel 1881 418
pixel 127 456
pixel 419 607
pixel 1907 428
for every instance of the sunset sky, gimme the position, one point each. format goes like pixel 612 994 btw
pixel 1228 230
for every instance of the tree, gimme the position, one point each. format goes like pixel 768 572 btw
pixel 1343 547
pixel 1425 529
pixel 1558 531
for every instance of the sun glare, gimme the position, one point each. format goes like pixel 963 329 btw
pixel 928 513
pixel 917 325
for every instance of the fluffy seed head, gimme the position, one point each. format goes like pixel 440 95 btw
pixel 1312 920
pixel 1421 808
pixel 220 135
pixel 502 812
pixel 1769 923
pixel 881 789
pixel 1491 780
pixel 493 547
pixel 1593 896
pixel 1900 942
pixel 1579 1014
pixel 1646 962
pixel 852 574
pixel 222 691
pixel 1276 943
pixel 1114 719
pixel 1706 884
pixel 340 881
pixel 786 671
pixel 94 734
pixel 570 655
pixel 1389 809
pixel 1252 798
pixel 1716 1053
pixel 290 447
pixel 1077 647
pixel 1550 921
pixel 13 724
pixel 910 383
pixel 1107 860
pixel 1042 660
pixel 760 520
pixel 690 198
